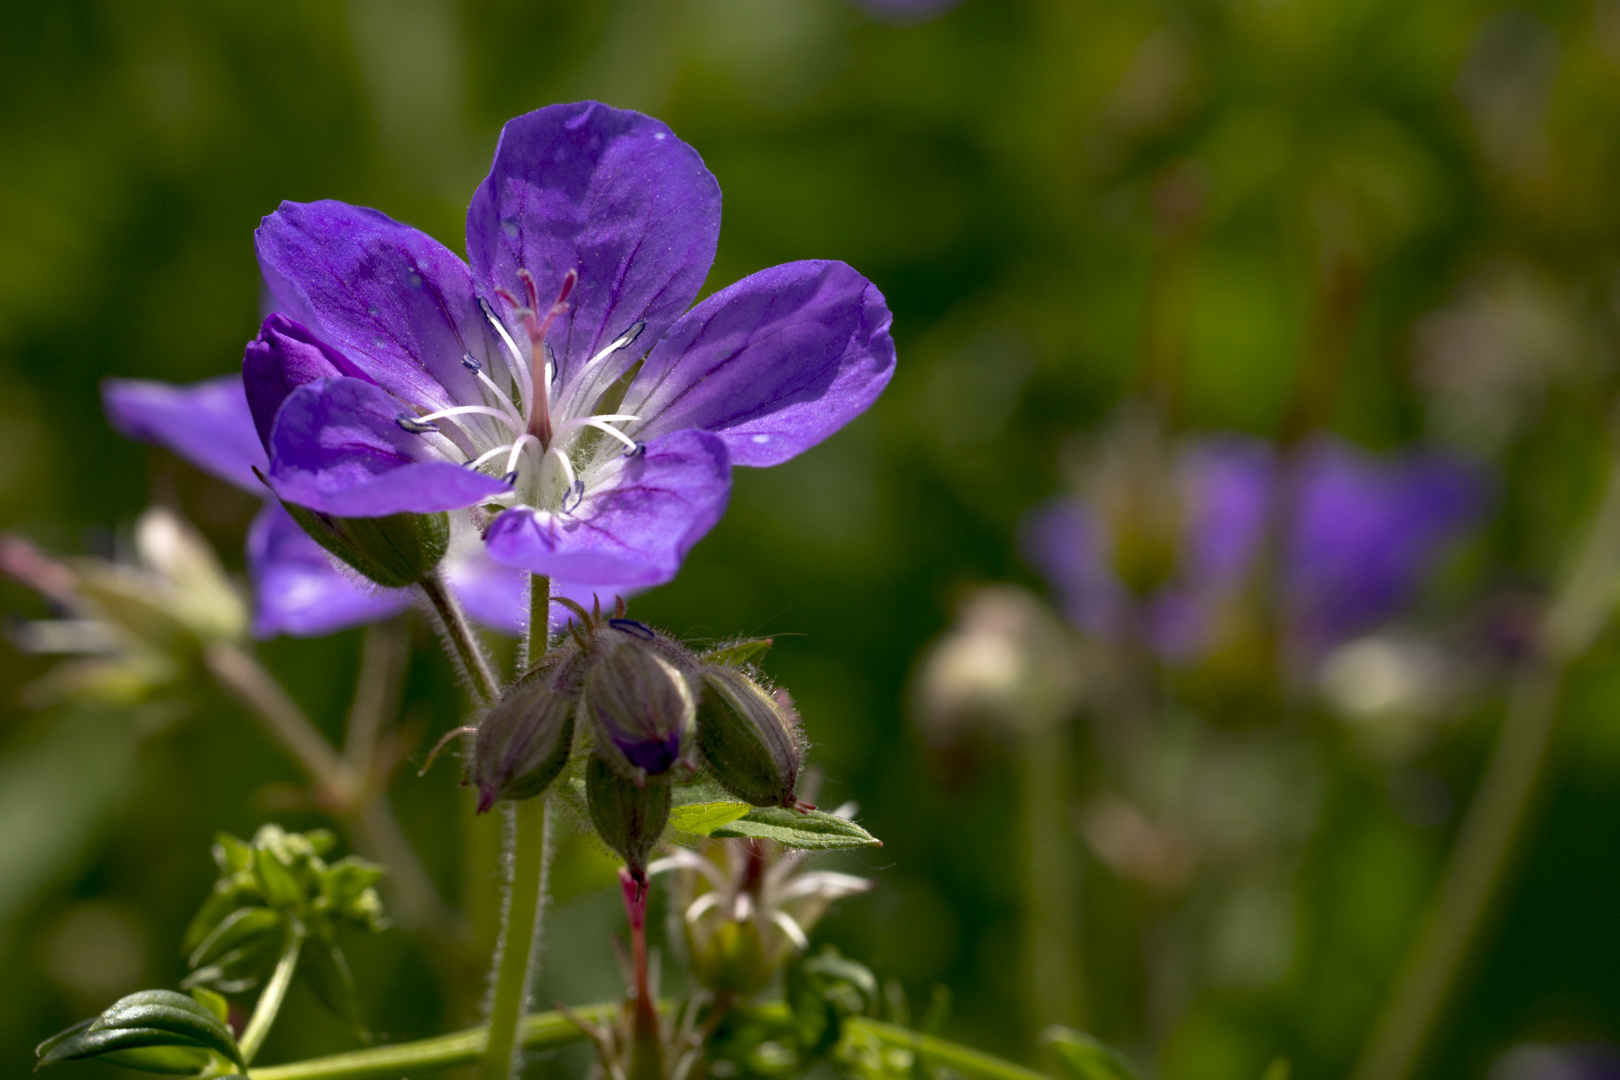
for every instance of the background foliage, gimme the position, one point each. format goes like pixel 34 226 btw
pixel 1067 202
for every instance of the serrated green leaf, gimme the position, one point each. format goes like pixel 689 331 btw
pixel 240 930
pixel 1081 1057
pixel 703 818
pixel 813 831
pixel 738 653
pixel 177 1014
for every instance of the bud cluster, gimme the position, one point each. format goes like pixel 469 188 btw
pixel 626 712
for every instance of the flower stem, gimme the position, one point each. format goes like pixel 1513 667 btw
pixel 1499 815
pixel 542 1031
pixel 464 645
pixel 523 917
pixel 527 830
pixel 1054 982
pixel 964 1059
pixel 275 992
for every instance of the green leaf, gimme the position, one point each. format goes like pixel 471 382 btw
pixel 813 831
pixel 226 898
pixel 240 930
pixel 327 971
pixel 214 1003
pixel 1080 1057
pixel 232 855
pixel 156 1030
pixel 280 883
pixel 348 878
pixel 703 818
pixel 738 653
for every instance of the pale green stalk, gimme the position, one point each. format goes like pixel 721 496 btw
pixel 275 992
pixel 1499 815
pixel 524 911
pixel 1054 979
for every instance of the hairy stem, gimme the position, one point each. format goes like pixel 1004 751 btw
pixel 1498 817
pixel 544 1031
pixel 275 992
pixel 528 827
pixel 465 647
pixel 523 916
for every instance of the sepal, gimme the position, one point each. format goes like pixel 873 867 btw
pixel 396 551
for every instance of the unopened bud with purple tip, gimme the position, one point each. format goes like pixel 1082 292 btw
pixel 642 709
pixel 629 817
pixel 749 738
pixel 523 743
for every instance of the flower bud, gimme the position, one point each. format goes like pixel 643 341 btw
pixel 523 743
pixel 396 551
pixel 629 817
pixel 749 738
pixel 641 708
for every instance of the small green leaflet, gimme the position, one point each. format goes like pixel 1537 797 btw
pixel 164 1029
pixel 813 831
pixel 705 817
pixel 738 653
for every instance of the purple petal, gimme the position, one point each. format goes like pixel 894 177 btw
pixel 1061 540
pixel 773 364
pixel 285 356
pixel 337 447
pixel 495 595
pixel 1364 532
pixel 206 423
pixel 633 526
pixel 300 589
pixel 611 194
pixel 1230 483
pixel 395 301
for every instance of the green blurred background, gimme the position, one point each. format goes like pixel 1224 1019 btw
pixel 1063 200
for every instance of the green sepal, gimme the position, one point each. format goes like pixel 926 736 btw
pixel 738 653
pixel 1081 1057
pixel 701 819
pixel 628 817
pixel 140 1023
pixel 813 830
pixel 396 551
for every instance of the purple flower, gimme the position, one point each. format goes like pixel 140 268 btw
pixel 1354 537
pixel 299 589
pixel 555 382
pixel 591 434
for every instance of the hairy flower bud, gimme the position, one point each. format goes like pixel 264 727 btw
pixel 396 551
pixel 629 817
pixel 641 708
pixel 523 743
pixel 749 738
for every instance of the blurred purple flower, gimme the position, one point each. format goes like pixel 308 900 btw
pixel 395 378
pixel 1355 535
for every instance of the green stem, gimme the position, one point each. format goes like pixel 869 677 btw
pixel 464 644
pixel 275 992
pixel 527 830
pixel 1498 817
pixel 543 1031
pixel 1054 982
pixel 964 1059
pixel 522 921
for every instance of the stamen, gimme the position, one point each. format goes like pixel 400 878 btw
pixel 601 423
pixel 488 455
pixel 415 426
pixel 500 396
pixel 517 451
pixel 514 359
pixel 784 922
pixel 470 362
pixel 455 413
pixel 567 467
pixel 636 450
pixel 575 492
